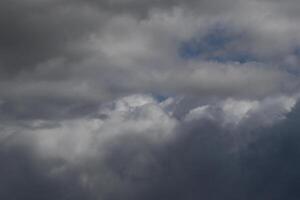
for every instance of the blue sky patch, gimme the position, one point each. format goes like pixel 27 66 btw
pixel 216 45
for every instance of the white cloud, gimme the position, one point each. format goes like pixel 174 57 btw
pixel 252 113
pixel 78 139
pixel 75 140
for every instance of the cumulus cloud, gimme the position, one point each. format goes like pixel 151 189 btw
pixel 135 148
pixel 235 112
pixel 111 99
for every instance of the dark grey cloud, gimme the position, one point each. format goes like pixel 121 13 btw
pixel 23 177
pixel 33 32
pixel 60 54
pixel 203 160
pixel 136 99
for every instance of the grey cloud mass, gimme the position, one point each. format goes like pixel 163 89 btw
pixel 136 99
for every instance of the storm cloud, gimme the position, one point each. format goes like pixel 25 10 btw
pixel 111 99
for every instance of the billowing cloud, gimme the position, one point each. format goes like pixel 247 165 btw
pixel 111 99
pixel 135 148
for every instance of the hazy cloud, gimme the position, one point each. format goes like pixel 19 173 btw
pixel 111 99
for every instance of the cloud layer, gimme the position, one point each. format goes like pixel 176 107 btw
pixel 111 99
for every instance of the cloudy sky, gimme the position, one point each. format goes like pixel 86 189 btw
pixel 149 99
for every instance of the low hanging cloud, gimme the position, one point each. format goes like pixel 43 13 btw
pixel 110 99
pixel 136 148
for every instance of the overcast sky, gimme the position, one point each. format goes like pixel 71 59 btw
pixel 149 99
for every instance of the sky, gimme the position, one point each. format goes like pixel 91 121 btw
pixel 149 99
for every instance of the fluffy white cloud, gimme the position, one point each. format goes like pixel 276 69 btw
pixel 251 113
pixel 140 116
pixel 79 139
